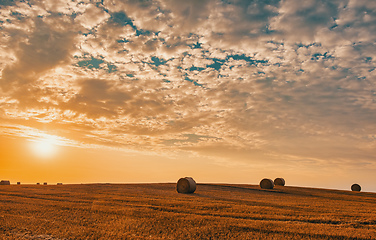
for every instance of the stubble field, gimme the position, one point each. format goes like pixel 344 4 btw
pixel 157 211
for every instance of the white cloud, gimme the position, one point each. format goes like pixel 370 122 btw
pixel 265 75
pixel 92 16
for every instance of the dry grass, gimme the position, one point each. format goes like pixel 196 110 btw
pixel 157 211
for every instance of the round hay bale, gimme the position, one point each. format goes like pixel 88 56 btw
pixel 279 181
pixel 186 185
pixel 356 187
pixel 5 182
pixel 59 183
pixel 267 183
pixel 18 183
pixel 45 183
pixel 38 183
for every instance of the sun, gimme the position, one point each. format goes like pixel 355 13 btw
pixel 45 147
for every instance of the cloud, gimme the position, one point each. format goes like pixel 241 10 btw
pixel 262 77
pixel 299 22
pixel 92 16
pixel 45 49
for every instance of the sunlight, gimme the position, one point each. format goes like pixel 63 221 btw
pixel 45 147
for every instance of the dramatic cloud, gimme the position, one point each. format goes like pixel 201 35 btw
pixel 280 81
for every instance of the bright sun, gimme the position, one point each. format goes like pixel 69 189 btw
pixel 45 147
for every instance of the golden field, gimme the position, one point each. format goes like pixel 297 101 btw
pixel 157 211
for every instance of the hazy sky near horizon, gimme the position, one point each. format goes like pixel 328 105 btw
pixel 230 90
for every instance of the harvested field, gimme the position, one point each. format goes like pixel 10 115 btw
pixel 157 211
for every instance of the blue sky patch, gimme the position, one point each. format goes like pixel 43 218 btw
pixel 92 63
pixel 122 19
pixel 7 2
pixel 95 63
pixel 196 45
pixel 194 82
pixel 156 61
pixel 249 60
pixel 193 68
pixel 217 63
pixel 318 56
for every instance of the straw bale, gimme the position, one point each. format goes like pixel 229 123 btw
pixel 5 182
pixel 267 183
pixel 186 185
pixel 279 181
pixel 356 187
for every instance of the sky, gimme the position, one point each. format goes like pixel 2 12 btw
pixel 225 91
